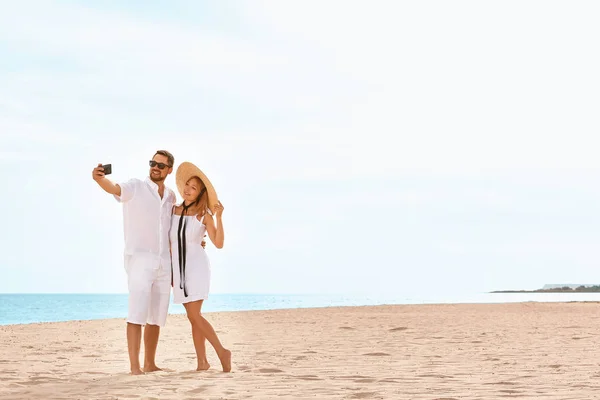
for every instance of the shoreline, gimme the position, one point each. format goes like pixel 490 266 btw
pixel 207 313
pixel 439 303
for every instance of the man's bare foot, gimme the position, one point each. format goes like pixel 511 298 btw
pixel 151 368
pixel 203 366
pixel 225 358
pixel 136 372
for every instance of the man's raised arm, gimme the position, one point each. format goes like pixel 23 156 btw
pixel 105 183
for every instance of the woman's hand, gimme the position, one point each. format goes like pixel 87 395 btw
pixel 219 209
pixel 214 226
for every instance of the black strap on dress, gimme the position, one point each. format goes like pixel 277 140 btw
pixel 181 242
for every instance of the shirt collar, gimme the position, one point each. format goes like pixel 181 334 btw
pixel 154 187
pixel 151 183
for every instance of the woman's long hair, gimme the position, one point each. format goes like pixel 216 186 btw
pixel 201 203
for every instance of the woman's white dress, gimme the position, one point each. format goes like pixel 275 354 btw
pixel 197 264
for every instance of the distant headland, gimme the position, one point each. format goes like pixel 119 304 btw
pixel 558 288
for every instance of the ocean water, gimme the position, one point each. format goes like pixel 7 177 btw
pixel 32 308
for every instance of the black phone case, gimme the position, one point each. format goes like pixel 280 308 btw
pixel 107 169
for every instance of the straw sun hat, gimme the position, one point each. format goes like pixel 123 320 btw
pixel 185 172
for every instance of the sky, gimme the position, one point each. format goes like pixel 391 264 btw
pixel 357 147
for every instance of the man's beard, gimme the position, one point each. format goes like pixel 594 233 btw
pixel 157 179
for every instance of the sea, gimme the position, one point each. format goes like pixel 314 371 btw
pixel 35 308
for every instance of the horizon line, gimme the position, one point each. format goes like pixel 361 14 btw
pixel 212 294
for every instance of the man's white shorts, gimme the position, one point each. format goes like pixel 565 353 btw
pixel 149 282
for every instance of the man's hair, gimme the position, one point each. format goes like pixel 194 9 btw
pixel 168 155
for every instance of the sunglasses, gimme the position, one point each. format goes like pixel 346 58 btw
pixel 158 164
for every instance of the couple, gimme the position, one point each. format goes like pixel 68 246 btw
pixel 164 247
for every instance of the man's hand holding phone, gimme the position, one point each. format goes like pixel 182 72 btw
pixel 101 170
pixel 99 173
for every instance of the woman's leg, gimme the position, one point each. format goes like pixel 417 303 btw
pixel 194 310
pixel 200 345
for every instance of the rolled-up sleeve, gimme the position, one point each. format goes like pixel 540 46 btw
pixel 128 190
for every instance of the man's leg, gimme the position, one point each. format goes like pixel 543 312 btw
pixel 139 283
pixel 134 339
pixel 157 317
pixel 151 334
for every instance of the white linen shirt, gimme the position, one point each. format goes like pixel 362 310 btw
pixel 147 219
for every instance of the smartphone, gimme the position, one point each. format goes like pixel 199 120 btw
pixel 107 169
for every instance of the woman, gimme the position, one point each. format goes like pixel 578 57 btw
pixel 199 213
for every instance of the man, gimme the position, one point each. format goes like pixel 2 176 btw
pixel 147 209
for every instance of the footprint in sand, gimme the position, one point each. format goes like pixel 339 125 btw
pixel 309 352
pixel 15 386
pixel 309 378
pixel 347 328
pixel 378 354
pixel 364 380
pixel 269 370
pixel 363 395
pixel 351 377
pixel 197 390
pixel 398 329
pixel 502 383
pixel 191 375
pixel 33 382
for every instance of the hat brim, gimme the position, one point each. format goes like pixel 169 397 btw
pixel 185 172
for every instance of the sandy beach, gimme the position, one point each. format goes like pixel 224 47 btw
pixel 476 351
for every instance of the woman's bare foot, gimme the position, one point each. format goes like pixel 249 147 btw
pixel 151 368
pixel 136 372
pixel 203 366
pixel 225 358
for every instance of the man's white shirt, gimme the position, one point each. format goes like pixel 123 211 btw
pixel 146 219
